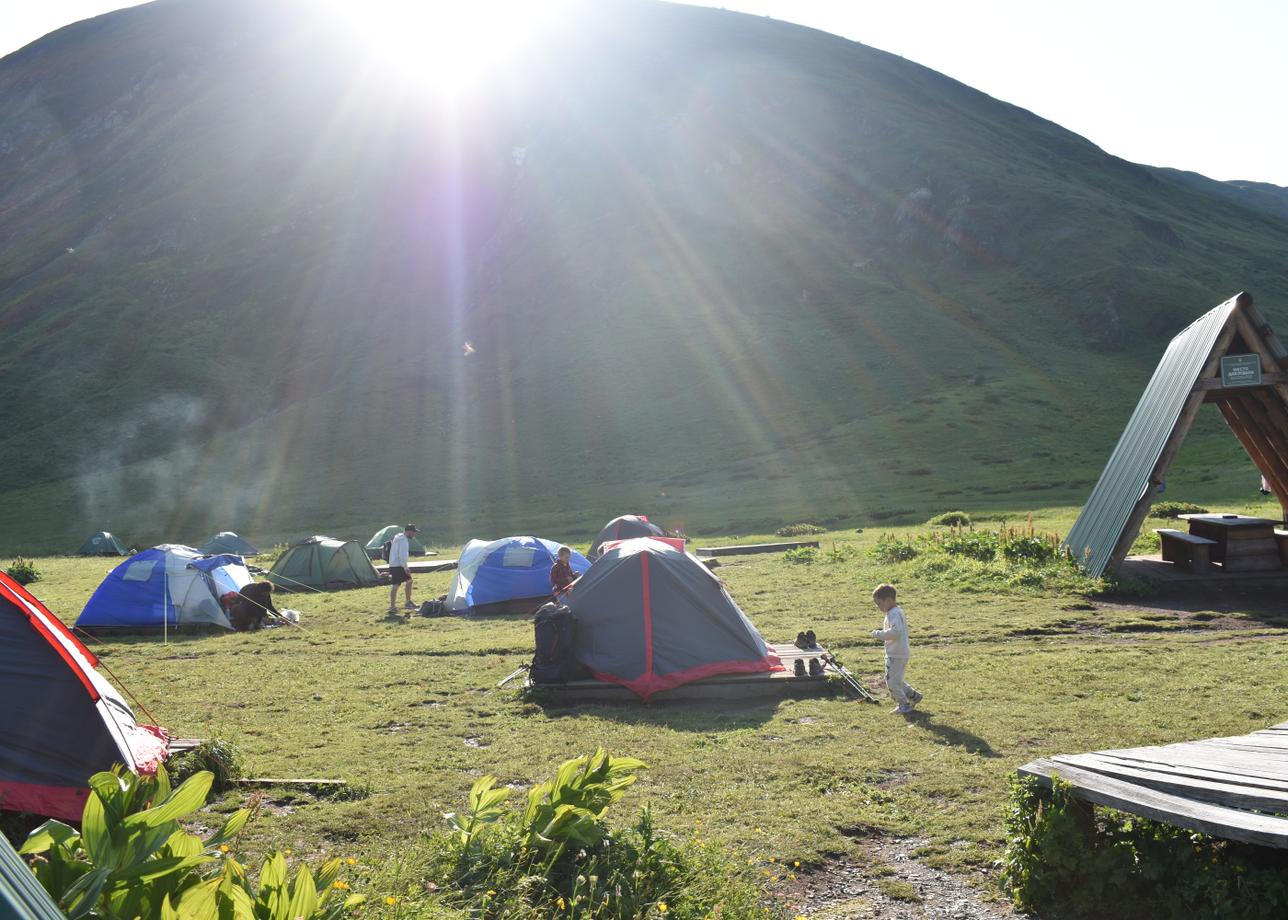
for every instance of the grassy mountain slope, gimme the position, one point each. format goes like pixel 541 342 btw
pixel 723 270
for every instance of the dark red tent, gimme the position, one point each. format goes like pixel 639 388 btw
pixel 624 528
pixel 60 722
pixel 652 617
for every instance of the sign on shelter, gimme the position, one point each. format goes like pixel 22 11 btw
pixel 1241 371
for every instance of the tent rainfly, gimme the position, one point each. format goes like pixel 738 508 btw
pixel 322 563
pixel 165 587
pixel 625 527
pixel 102 544
pixel 376 545
pixel 511 575
pixel 228 542
pixel 1229 356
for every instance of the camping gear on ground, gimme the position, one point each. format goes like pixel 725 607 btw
pixel 650 617
pixel 852 683
pixel 511 575
pixel 291 616
pixel 227 542
pixel 322 564
pixel 165 587
pixel 435 608
pixel 626 527
pixel 102 544
pixel 61 721
pixel 555 661
pixel 377 546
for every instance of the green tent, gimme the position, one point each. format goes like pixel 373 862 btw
pixel 102 544
pixel 323 563
pixel 376 544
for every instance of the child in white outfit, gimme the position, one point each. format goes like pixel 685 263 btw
pixel 894 633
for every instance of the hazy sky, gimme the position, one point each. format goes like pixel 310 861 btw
pixel 1195 85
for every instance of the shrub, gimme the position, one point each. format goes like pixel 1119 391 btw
pixel 980 545
pixel 800 530
pixel 218 756
pixel 1067 856
pixel 23 571
pixel 802 555
pixel 1171 509
pixel 841 552
pixel 950 519
pixel 891 549
pixel 132 858
pixel 1029 548
pixel 557 856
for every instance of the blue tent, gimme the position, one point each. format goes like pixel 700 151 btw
pixel 165 586
pixel 510 575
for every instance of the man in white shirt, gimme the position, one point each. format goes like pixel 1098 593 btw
pixel 399 571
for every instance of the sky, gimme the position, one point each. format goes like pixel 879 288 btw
pixel 1196 85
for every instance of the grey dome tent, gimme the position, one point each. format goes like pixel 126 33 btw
pixel 652 617
pixel 378 540
pixel 324 563
pixel 624 528
pixel 227 542
pixel 102 544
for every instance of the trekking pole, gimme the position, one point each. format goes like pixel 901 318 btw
pixel 848 678
pixel 517 671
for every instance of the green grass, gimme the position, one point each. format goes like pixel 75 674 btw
pixel 409 712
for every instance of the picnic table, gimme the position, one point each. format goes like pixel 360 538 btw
pixel 1238 542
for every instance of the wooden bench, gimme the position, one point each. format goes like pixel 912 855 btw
pixel 1185 549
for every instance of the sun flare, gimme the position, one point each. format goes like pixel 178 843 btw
pixel 447 47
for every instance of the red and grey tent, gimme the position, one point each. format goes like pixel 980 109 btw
pixel 625 527
pixel 61 721
pixel 652 617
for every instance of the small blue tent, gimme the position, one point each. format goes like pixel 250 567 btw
pixel 166 586
pixel 506 576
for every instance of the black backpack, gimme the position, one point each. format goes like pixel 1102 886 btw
pixel 556 637
pixel 385 549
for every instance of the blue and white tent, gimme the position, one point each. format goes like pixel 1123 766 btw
pixel 506 576
pixel 165 587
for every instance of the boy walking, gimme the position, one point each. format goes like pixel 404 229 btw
pixel 894 633
pixel 399 572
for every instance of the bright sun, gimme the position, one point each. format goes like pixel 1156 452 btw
pixel 447 46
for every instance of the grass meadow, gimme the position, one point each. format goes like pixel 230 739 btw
pixel 408 711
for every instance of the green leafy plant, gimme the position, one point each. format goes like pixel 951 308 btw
pixel 800 530
pixel 841 552
pixel 801 555
pixel 1174 509
pixel 950 519
pixel 23 571
pixel 568 808
pixel 219 756
pixel 133 858
pixel 890 549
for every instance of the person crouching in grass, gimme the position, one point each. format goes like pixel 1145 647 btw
pixel 894 633
pixel 399 571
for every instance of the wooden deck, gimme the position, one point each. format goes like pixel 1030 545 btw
pixel 752 548
pixel 436 565
pixel 1168 573
pixel 1233 788
pixel 758 686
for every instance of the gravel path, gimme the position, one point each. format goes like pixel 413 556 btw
pixel 914 891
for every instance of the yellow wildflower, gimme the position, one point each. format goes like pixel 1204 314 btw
pixel 351 861
pixel 791 876
pixel 223 848
pixel 661 907
pixel 796 863
pixel 339 885
pixel 773 859
pixel 391 900
pixel 562 903
pixel 490 894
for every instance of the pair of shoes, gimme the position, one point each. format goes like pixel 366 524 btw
pixel 902 709
pixel 798 668
pixel 801 640
pixel 815 668
pixel 410 606
pixel 811 640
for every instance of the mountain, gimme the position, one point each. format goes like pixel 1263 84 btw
pixel 722 270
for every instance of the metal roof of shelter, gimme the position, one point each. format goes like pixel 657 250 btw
pixel 1188 375
pixel 20 893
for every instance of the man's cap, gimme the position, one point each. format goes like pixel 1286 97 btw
pixel 412 527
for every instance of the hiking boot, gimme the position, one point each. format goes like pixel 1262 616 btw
pixel 902 709
pixel 811 639
pixel 410 606
pixel 914 698
pixel 801 641
pixel 799 667
pixel 815 668
pixel 393 612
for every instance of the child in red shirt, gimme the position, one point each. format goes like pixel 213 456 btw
pixel 561 573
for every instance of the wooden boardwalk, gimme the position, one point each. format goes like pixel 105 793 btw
pixel 1227 787
pixel 751 548
pixel 1168 573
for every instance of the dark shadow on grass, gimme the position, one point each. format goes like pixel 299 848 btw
pixel 1259 600
pixel 707 716
pixel 971 744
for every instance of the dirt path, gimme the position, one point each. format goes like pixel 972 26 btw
pixel 891 884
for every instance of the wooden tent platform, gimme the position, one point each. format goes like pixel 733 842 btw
pixel 1168 573
pixel 761 685
pixel 1226 787
pixel 752 548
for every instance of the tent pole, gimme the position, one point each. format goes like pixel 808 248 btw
pixel 165 608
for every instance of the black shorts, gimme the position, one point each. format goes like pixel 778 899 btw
pixel 397 574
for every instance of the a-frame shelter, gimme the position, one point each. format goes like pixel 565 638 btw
pixel 1228 356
